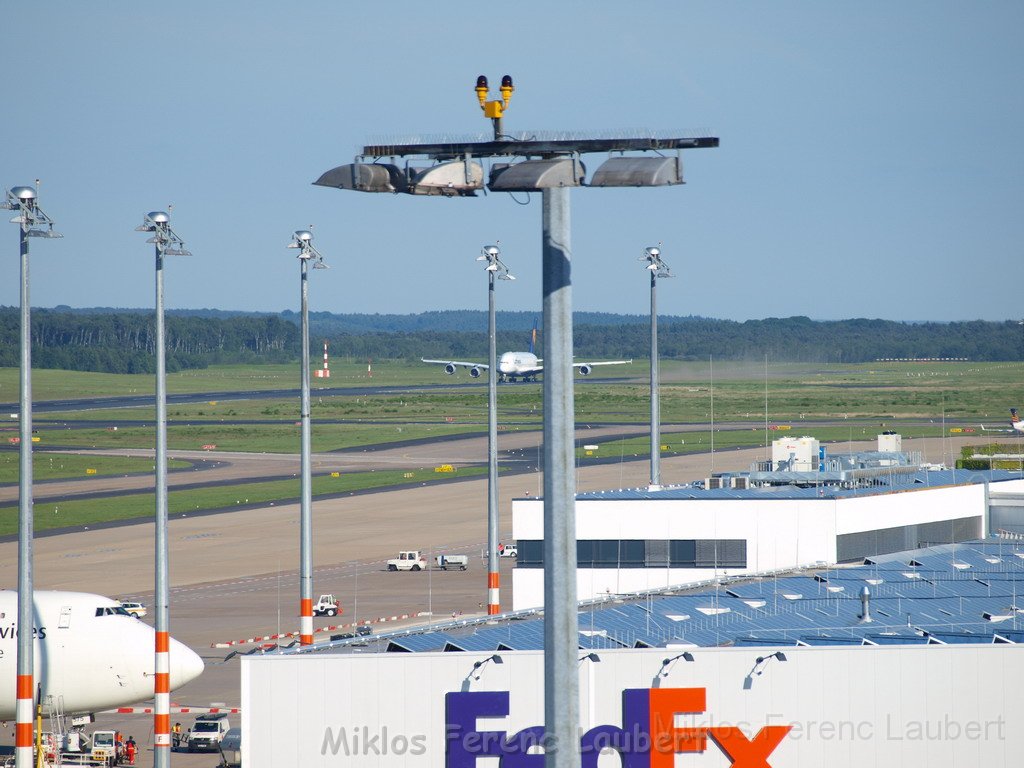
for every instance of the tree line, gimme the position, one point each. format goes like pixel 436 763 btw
pixel 122 341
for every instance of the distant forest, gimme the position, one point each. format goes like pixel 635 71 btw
pixel 122 340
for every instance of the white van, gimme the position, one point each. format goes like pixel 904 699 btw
pixel 208 732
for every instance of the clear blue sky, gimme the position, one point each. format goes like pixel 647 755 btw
pixel 871 160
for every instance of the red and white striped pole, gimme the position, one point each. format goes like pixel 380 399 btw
pixel 493 599
pixel 23 722
pixel 325 372
pixel 162 693
pixel 369 368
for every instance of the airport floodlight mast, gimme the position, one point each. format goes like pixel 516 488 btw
pixel 658 269
pixel 303 241
pixel 165 243
pixel 551 166
pixel 495 270
pixel 32 223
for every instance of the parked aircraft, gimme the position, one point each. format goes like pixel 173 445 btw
pixel 1016 425
pixel 89 653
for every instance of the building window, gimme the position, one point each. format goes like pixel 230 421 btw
pixel 641 553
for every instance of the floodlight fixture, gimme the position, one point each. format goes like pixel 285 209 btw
pixel 652 255
pixel 492 255
pixel 34 222
pixel 478 664
pixel 667 663
pixel 166 241
pixel 632 171
pixel 303 241
pixel 762 661
pixel 590 657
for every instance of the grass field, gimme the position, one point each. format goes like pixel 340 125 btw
pixel 56 466
pixel 915 398
pixel 181 503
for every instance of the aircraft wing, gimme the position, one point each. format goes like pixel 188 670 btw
pixel 601 362
pixel 459 363
pixel 991 429
pixel 451 366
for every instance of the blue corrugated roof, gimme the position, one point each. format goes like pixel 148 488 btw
pixel 949 603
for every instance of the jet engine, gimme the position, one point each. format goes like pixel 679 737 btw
pixel 474 372
pixel 585 370
pixel 449 368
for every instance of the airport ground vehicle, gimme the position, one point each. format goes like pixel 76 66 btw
pixel 104 748
pixel 136 609
pixel 207 733
pixel 409 560
pixel 509 550
pixel 327 605
pixel 452 561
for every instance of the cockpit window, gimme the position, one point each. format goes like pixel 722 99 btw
pixel 108 610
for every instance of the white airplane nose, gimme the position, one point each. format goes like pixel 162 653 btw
pixel 185 664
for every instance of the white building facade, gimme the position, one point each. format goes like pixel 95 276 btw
pixel 631 541
pixel 938 706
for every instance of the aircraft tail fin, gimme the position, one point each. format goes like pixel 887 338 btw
pixel 533 338
pixel 1014 418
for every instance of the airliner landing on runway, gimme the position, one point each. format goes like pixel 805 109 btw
pixel 1016 425
pixel 517 365
pixel 88 651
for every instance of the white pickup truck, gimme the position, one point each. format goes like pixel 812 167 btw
pixel 410 560
pixel 452 561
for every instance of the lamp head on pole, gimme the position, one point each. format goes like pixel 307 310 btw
pixel 492 255
pixel 165 239
pixel 303 241
pixel 652 255
pixel 30 216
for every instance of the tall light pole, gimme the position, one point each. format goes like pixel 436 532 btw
pixel 551 166
pixel 495 270
pixel 657 268
pixel 30 218
pixel 303 240
pixel 165 243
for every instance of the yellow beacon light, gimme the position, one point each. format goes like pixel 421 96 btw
pixel 494 109
pixel 481 91
pixel 506 90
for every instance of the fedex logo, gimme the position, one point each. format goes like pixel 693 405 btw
pixel 647 738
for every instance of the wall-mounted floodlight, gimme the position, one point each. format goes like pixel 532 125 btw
pixel 639 172
pixel 478 664
pixel 667 663
pixel 590 657
pixel 533 175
